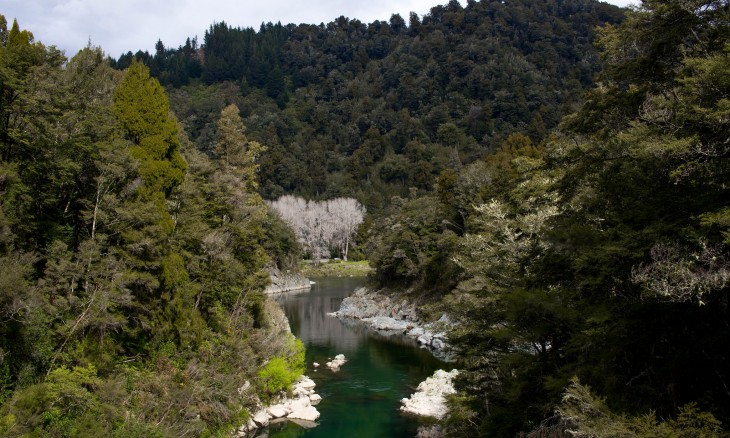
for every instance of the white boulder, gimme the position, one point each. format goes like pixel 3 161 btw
pixel 305 383
pixel 278 411
pixel 308 413
pixel 388 323
pixel 336 363
pixel 261 418
pixel 429 399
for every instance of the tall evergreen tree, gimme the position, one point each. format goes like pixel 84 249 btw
pixel 143 111
pixel 236 150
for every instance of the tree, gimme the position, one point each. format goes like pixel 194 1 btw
pixel 128 282
pixel 235 149
pixel 18 55
pixel 593 246
pixel 321 226
pixel 142 108
pixel 346 214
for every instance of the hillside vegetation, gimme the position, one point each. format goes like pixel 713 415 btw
pixel 588 273
pixel 565 203
pixel 370 110
pixel 131 265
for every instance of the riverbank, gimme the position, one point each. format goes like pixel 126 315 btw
pixel 296 405
pixel 335 268
pixel 362 398
pixel 395 313
pixel 429 400
pixel 286 281
pixel 299 408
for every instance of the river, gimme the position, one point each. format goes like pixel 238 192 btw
pixel 362 399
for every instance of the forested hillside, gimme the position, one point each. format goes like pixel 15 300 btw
pixel 371 110
pixel 131 265
pixel 588 274
pixel 565 203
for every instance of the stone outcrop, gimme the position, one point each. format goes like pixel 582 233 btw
pixel 336 363
pixel 364 303
pixel 388 314
pixel 286 282
pixel 299 409
pixel 429 399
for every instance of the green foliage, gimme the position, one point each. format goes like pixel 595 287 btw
pixel 600 252
pixel 281 372
pixel 235 149
pixel 586 415
pixel 276 375
pixel 411 246
pixel 142 109
pixel 337 268
pixel 64 405
pixel 174 275
pixel 280 242
pixel 130 281
pixel 368 110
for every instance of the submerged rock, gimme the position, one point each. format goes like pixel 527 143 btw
pixel 336 363
pixel 429 399
pixel 306 424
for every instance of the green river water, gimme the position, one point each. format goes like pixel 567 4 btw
pixel 362 399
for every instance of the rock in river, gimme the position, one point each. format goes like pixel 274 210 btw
pixel 429 399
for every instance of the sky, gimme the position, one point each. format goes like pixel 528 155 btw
pixel 119 26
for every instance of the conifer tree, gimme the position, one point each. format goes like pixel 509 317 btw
pixel 235 149
pixel 143 111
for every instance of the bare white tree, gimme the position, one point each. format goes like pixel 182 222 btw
pixel 347 214
pixel 321 226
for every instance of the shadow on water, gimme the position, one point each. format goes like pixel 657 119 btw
pixel 362 399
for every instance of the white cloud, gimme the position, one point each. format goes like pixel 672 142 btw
pixel 123 25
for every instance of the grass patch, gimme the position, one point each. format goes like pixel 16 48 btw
pixel 335 268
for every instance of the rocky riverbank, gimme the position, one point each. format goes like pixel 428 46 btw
pixel 300 408
pixel 395 314
pixel 297 407
pixel 286 282
pixel 429 400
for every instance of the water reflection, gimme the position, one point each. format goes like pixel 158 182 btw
pixel 362 399
pixel 307 312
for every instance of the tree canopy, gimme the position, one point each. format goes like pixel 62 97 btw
pixel 369 110
pixel 131 265
pixel 590 286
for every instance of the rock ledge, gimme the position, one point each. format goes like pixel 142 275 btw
pixel 429 399
pixel 299 409
pixel 385 313
pixel 286 282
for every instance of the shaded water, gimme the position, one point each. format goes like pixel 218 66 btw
pixel 362 399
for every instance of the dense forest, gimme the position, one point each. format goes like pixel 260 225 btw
pixel 131 265
pixel 551 174
pixel 588 273
pixel 371 110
